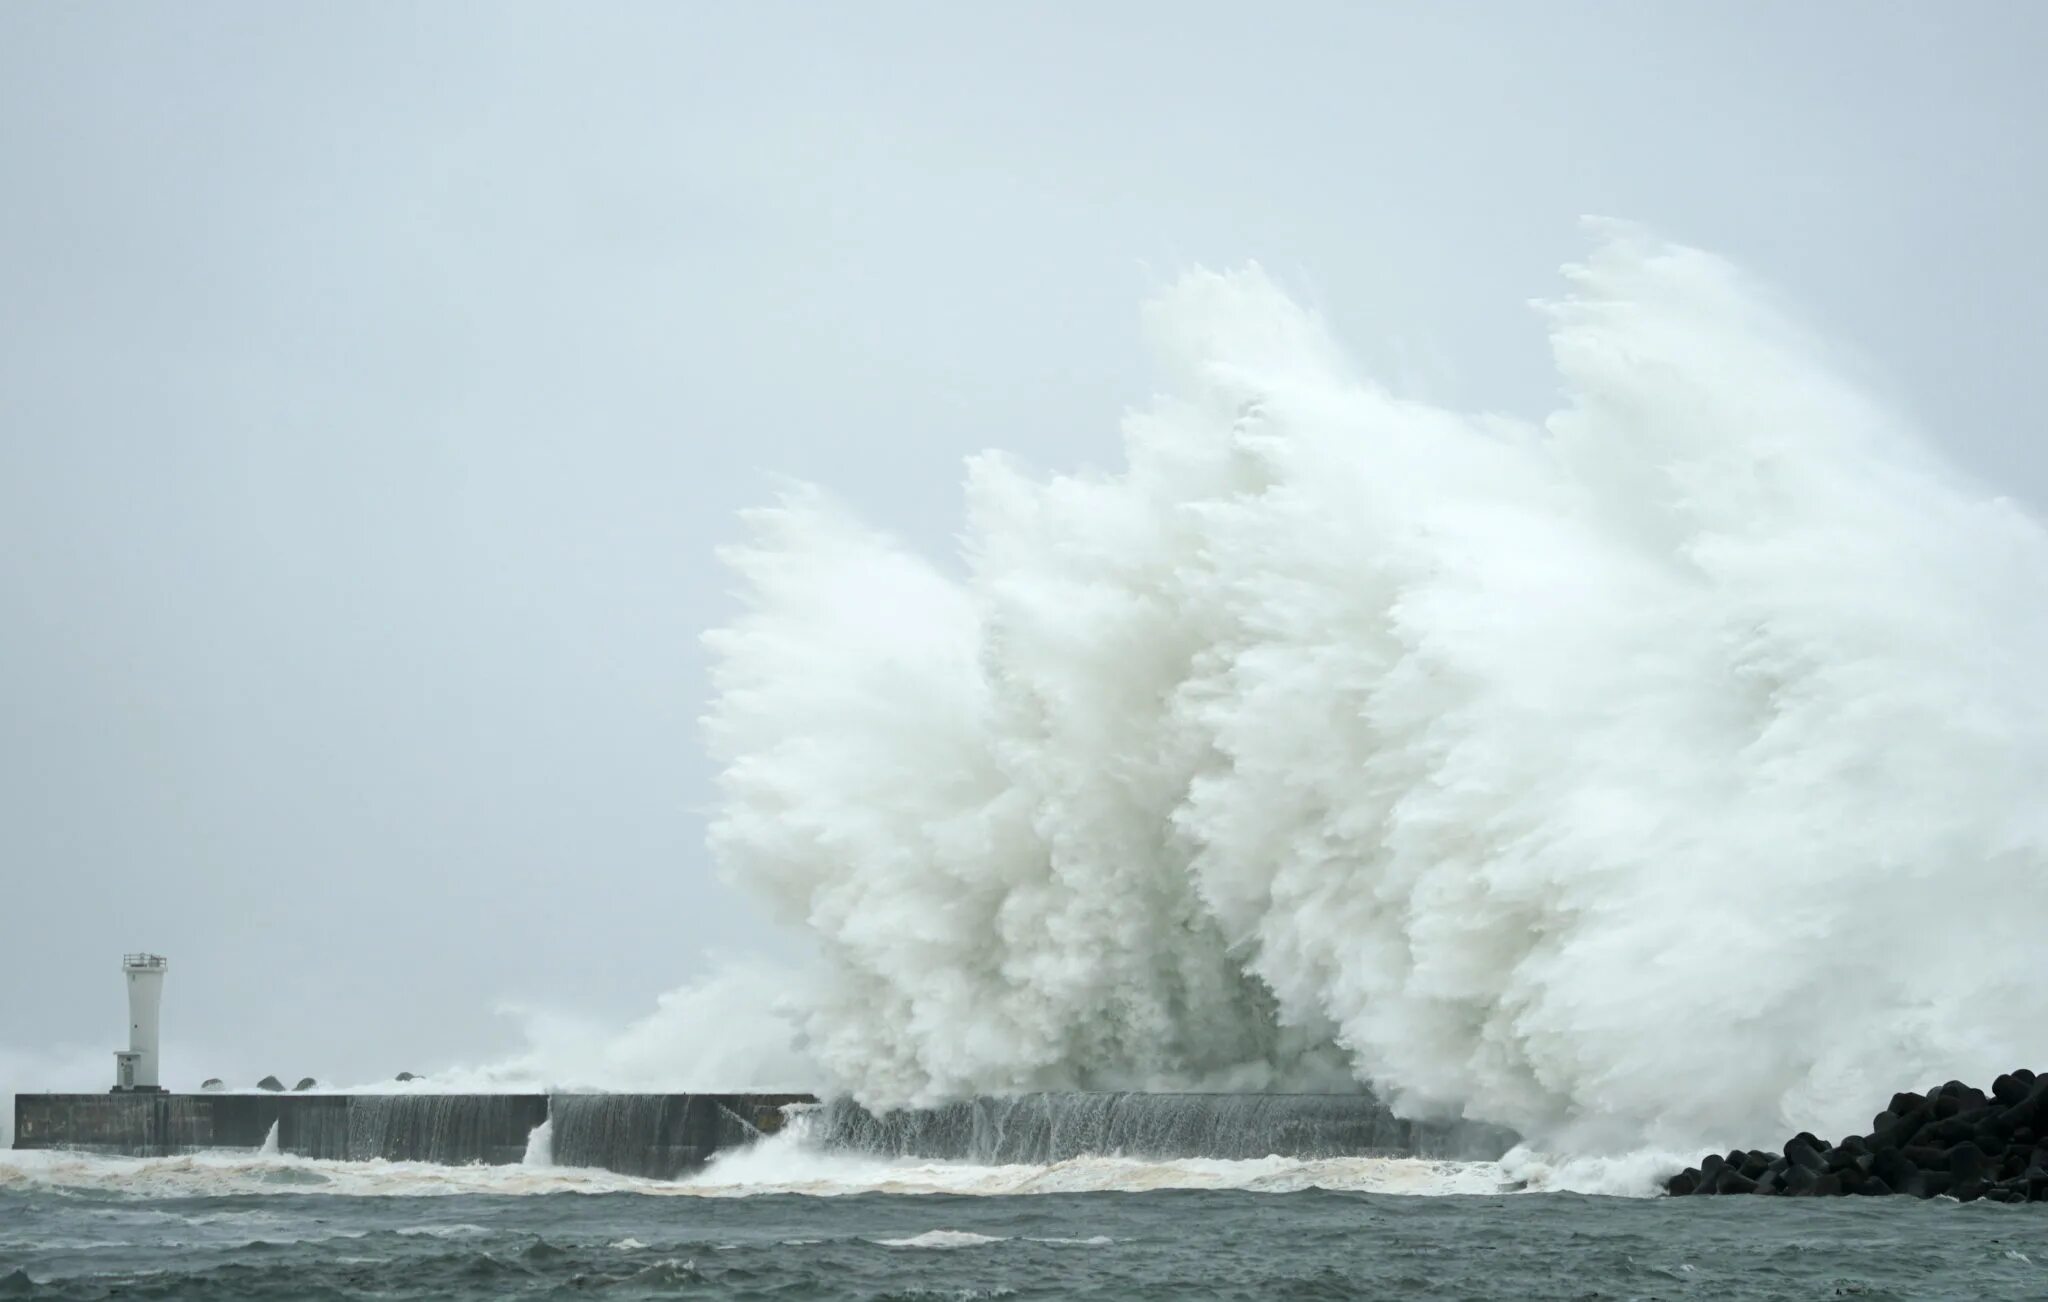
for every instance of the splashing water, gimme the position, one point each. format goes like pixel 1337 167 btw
pixel 1668 772
pixel 540 1145
pixel 727 1030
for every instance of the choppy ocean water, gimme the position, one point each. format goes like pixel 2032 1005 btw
pixel 266 1228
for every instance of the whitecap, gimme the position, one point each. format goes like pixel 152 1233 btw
pixel 944 1239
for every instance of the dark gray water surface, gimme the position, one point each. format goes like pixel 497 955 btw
pixel 59 1243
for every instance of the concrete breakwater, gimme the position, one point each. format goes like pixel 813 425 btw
pixel 658 1135
pixel 666 1135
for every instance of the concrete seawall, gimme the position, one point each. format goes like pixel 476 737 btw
pixel 657 1135
pixel 666 1135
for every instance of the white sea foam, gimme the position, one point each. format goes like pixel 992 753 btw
pixel 944 1239
pixel 969 1239
pixel 464 1231
pixel 1664 773
pixel 786 1163
pixel 775 1167
pixel 1637 1174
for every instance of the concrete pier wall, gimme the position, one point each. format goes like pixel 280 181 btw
pixel 658 1135
pixel 666 1135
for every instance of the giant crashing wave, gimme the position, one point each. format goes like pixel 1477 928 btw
pixel 1668 772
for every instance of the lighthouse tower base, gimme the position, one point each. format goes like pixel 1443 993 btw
pixel 127 1063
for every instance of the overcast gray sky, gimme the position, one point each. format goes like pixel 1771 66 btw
pixel 376 381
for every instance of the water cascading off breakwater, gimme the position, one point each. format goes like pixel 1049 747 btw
pixel 1055 1127
pixel 658 1135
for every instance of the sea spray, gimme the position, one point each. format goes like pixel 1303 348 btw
pixel 728 1029
pixel 1664 772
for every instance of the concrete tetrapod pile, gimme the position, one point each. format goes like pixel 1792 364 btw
pixel 1954 1140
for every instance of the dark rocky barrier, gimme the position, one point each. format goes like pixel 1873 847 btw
pixel 1954 1140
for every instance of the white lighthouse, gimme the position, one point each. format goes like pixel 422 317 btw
pixel 135 1066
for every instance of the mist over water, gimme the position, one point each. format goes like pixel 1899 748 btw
pixel 1665 772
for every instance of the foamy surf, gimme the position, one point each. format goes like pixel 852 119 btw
pixel 944 1239
pixel 784 1165
pixel 753 1173
pixel 947 1239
